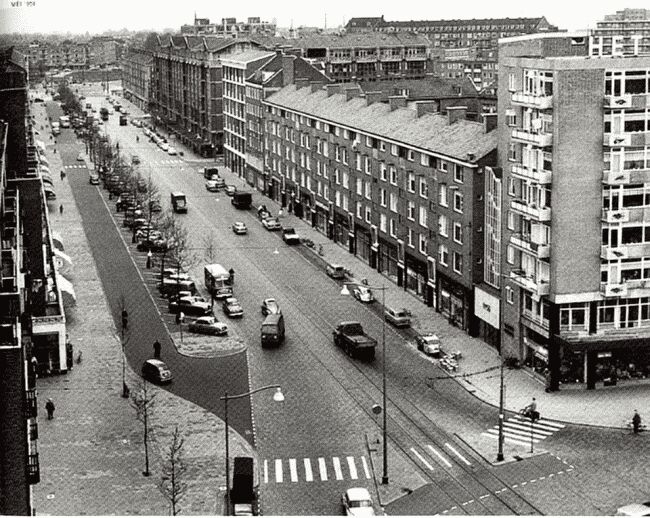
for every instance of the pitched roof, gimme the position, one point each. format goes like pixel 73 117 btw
pixel 425 88
pixel 247 56
pixel 366 39
pixel 430 131
pixel 365 22
pixel 532 22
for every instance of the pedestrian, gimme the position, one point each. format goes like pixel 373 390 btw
pixel 636 422
pixel 34 365
pixel 61 209
pixel 531 409
pixel 62 174
pixel 156 349
pixel 231 273
pixel 68 355
pixel 49 406
pixel 149 256
pixel 125 319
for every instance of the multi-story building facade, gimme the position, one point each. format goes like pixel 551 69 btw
pixel 573 147
pixel 353 57
pixel 45 56
pixel 400 187
pixel 102 50
pixel 629 27
pixel 230 27
pixel 137 69
pixel 187 89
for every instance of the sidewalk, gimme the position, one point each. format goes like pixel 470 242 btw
pixel 91 453
pixel 479 368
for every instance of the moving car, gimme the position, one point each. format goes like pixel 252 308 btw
pixel 356 501
pixel 634 510
pixel 363 294
pixel 428 343
pixel 172 151
pixel 270 307
pixel 214 183
pixel 163 145
pixel 290 236
pixel 208 325
pixel 271 223
pixel 398 317
pixel 156 371
pixel 80 157
pixel 232 308
pixel 93 179
pixel 193 305
pixel 239 227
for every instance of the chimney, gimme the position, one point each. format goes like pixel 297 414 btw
pixel 372 98
pixel 301 82
pixel 287 69
pixel 423 107
pixel 315 86
pixel 332 89
pixel 456 113
pixel 489 122
pixel 396 101
pixel 351 93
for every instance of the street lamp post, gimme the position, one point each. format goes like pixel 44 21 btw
pixel 502 388
pixel 382 288
pixel 278 397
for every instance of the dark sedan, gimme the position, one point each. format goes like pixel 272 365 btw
pixel 193 305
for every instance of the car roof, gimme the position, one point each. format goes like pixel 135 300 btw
pixel 157 363
pixel 358 493
pixel 231 299
pixel 634 510
pixel 270 299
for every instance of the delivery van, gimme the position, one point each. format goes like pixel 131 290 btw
pixel 273 329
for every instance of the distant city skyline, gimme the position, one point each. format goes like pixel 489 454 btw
pixel 78 16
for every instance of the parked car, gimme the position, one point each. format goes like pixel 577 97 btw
pixel 156 371
pixel 363 294
pixel 172 151
pixel 163 145
pixel 135 159
pixel 270 306
pixel 634 510
pixel 214 183
pixel 290 236
pixel 356 501
pixel 271 223
pixel 156 245
pixel 80 157
pixel 193 305
pixel 173 274
pixel 155 206
pixel 232 308
pixel 230 190
pixel 93 179
pixel 209 326
pixel 239 227
pixel 335 271
pixel 429 343
pixel 398 317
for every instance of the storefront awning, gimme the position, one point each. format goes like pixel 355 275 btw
pixel 49 191
pixel 57 241
pixel 66 287
pixel 62 256
pixel 47 178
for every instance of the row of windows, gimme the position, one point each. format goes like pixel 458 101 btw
pixel 624 314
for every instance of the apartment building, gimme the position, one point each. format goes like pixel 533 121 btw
pixel 369 56
pixel 102 50
pixel 626 28
pixel 575 156
pixel 187 88
pixel 229 27
pixel 137 69
pixel 46 56
pixel 399 186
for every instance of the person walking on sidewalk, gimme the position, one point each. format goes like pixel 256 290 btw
pixel 531 409
pixel 156 349
pixel 636 422
pixel 49 406
pixel 61 208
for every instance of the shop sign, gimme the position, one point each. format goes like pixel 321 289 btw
pixel 486 307
pixel 604 355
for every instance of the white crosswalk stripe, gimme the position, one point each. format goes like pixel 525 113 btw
pixel 517 430
pixel 344 468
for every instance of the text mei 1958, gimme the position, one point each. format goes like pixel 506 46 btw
pixel 21 3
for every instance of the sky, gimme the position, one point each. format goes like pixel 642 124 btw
pixel 93 16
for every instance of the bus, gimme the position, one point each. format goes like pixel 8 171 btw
pixel 217 281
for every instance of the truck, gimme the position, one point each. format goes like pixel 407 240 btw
pixel 242 200
pixel 103 112
pixel 242 492
pixel 179 202
pixel 351 337
pixel 123 120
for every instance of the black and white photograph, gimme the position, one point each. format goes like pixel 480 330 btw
pixel 319 259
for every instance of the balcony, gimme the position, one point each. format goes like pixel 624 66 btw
pixel 525 244
pixel 616 177
pixel 391 57
pixel 528 173
pixel 536 139
pixel 32 404
pixel 537 286
pixel 615 216
pixel 613 290
pixel 612 253
pixel 340 59
pixel 419 56
pixel 531 210
pixel 541 102
pixel 366 58
pixel 33 469
pixel 633 139
pixel 618 101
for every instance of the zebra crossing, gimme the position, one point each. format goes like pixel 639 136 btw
pixel 321 469
pixel 76 166
pixel 517 430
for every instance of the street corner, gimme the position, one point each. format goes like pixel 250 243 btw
pixel 207 346
pixel 487 448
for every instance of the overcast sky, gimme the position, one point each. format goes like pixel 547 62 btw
pixel 79 16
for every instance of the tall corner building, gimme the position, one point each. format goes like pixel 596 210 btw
pixel 574 149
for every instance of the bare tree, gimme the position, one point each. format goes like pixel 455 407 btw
pixel 172 485
pixel 209 252
pixel 143 402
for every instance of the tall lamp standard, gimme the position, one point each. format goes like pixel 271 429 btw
pixel 500 456
pixel 278 397
pixel 382 288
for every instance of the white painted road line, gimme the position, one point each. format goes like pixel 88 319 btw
pixel 365 467
pixel 353 468
pixel 293 470
pixel 422 459
pixel 309 476
pixel 322 468
pixel 458 454
pixel 439 455
pixel 278 470
pixel 337 468
pixel 266 471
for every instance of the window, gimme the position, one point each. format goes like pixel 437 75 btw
pixel 423 243
pixel 383 171
pixel 393 202
pixel 458 201
pixel 510 295
pixel 443 225
pixel 411 182
pixel 512 82
pixel 359 209
pixel 511 118
pixel 337 177
pixel 511 220
pixel 383 197
pixel 382 222
pixel 458 262
pixel 512 191
pixel 424 188
pixel 394 149
pixel 425 160
pixel 423 216
pixel 368 165
pixel 368 190
pixel 410 214
pixel 459 175
pixel 443 255
pixel 359 187
pixel 382 145
pixel 357 161
pixel 410 155
pixel 368 214
pixel 442 195
pixel 337 198
pixel 337 153
pixel 458 232
pixel 510 255
pixel 393 175
pixel 512 152
pixel 346 180
pixel 344 155
pixel 409 238
pixel 442 165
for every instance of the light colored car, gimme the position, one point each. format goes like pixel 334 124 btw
pixel 634 510
pixel 429 343
pixel 230 190
pixel 270 306
pixel 163 145
pixel 80 157
pixel 232 308
pixel 239 227
pixel 363 294
pixel 335 271
pixel 212 185
pixel 192 305
pixel 356 501
pixel 172 151
pixel 290 236
pixel 209 326
pixel 398 317
pixel 271 224
pixel 93 179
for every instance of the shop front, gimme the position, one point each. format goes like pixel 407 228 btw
pixel 320 216
pixel 341 229
pixel 452 301
pixel 388 257
pixel 415 276
pixel 363 242
pixel 487 308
